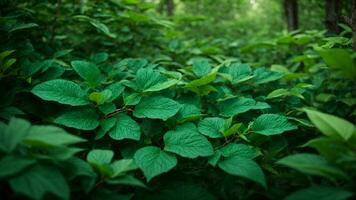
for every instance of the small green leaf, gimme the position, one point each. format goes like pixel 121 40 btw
pixel 14 133
pixel 272 124
pixel 100 156
pixel 241 150
pixel 61 91
pixel 83 119
pixel 212 127
pixel 121 167
pixel 100 97
pixel 244 167
pixel 125 128
pixel 201 67
pixel 263 75
pixel 156 108
pixel 234 106
pixel 153 161
pixel 187 142
pixel 88 71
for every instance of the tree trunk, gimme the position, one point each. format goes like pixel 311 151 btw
pixel 170 7
pixel 291 13
pixel 353 22
pixel 332 15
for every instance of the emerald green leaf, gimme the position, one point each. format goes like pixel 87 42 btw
pixel 262 75
pixel 100 97
pixel 320 193
pixel 125 128
pixel 121 167
pixel 205 80
pixel 331 125
pixel 106 125
pixel 234 106
pixel 313 165
pixel 278 93
pixel 272 124
pixel 153 161
pixel 40 180
pixel 244 167
pixel 127 180
pixel 50 135
pixel 201 67
pixel 240 150
pixel 150 80
pixel 212 127
pixel 88 71
pixel 156 108
pixel 187 142
pixel 61 91
pixel 100 156
pixel 116 90
pixel 83 119
pixel 15 131
pixel 339 59
pixel 10 165
pixel 240 72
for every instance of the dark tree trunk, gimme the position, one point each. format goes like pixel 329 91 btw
pixel 353 22
pixel 291 13
pixel 332 15
pixel 170 7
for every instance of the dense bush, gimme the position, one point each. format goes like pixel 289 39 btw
pixel 105 100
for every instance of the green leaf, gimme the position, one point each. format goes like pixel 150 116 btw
pixel 14 133
pixel 205 80
pixel 331 125
pixel 125 128
pixel 150 80
pixel 50 135
pixel 116 90
pixel 18 27
pixel 106 125
pixel 100 97
pixel 262 75
pixel 156 108
pixel 272 124
pixel 153 161
pixel 88 71
pixel 244 167
pixel 40 180
pixel 187 142
pixel 240 72
pixel 61 91
pixel 10 165
pixel 127 180
pixel 201 67
pixel 121 167
pixel 100 156
pixel 234 106
pixel 313 165
pixel 83 119
pixel 212 127
pixel 320 193
pixel 240 150
pixel 278 93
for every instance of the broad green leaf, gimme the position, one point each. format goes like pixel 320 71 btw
pixel 100 97
pixel 339 59
pixel 125 128
pixel 187 142
pixel 212 127
pixel 240 72
pixel 201 67
pixel 116 90
pixel 105 125
pixel 320 193
pixel 83 119
pixel 153 161
pixel 88 71
pixel 205 80
pixel 244 167
pixel 330 148
pixel 156 108
pixel 331 125
pixel 61 91
pixel 278 93
pixel 312 164
pixel 10 165
pixel 50 135
pixel 240 150
pixel 234 106
pixel 13 133
pixel 272 124
pixel 188 112
pixel 126 180
pixel 121 167
pixel 262 75
pixel 40 180
pixel 100 156
pixel 150 80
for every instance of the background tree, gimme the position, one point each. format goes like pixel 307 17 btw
pixel 291 13
pixel 332 15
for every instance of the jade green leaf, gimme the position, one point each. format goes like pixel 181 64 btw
pixel 105 125
pixel 121 167
pixel 212 127
pixel 320 193
pixel 201 67
pixel 240 150
pixel 10 165
pixel 187 142
pixel 129 180
pixel 263 75
pixel 50 135
pixel 61 91
pixel 234 106
pixel 331 125
pixel 150 80
pixel 240 72
pixel 100 97
pixel 156 108
pixel 272 124
pixel 312 164
pixel 40 180
pixel 243 167
pixel 83 119
pixel 125 128
pixel 88 71
pixel 116 90
pixel 205 80
pixel 100 156
pixel 153 161
pixel 13 133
